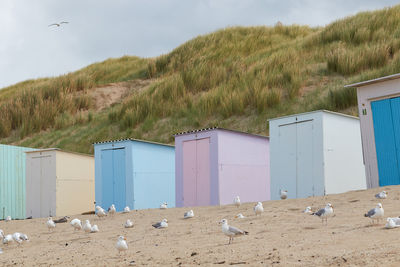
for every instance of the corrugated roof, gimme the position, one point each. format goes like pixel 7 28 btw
pixel 132 139
pixel 217 128
pixel 58 149
pixel 322 110
pixel 377 80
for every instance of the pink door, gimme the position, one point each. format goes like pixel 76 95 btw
pixel 203 172
pixel 196 172
pixel 189 173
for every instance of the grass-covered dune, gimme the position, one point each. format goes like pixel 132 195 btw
pixel 236 77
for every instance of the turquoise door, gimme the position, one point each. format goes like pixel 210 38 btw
pixel 113 178
pixel 386 119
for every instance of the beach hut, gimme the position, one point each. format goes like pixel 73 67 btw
pixel 135 173
pixel 316 153
pixel 12 181
pixel 58 183
pixel 215 165
pixel 379 109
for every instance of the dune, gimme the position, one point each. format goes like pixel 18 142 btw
pixel 281 236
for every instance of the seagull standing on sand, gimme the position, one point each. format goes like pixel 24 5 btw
pixel 126 209
pixel 188 214
pixel 236 201
pixel 121 244
pixel 231 231
pixel 24 237
pixel 381 195
pixel 17 237
pixel 164 206
pixel 283 194
pixel 308 210
pixel 8 219
pixel 258 209
pixel 240 216
pixel 100 212
pixel 7 239
pixel 87 227
pixel 162 224
pixel 50 224
pixel 324 213
pixel 76 223
pixel 128 224
pixel 375 213
pixel 94 229
pixel 112 210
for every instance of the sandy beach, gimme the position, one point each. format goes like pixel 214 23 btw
pixel 281 236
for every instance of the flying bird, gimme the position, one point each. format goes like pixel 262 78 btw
pixel 231 231
pixel 381 195
pixel 162 224
pixel 58 24
pixel 121 244
pixel 324 213
pixel 236 201
pixel 258 209
pixel 189 214
pixel 375 213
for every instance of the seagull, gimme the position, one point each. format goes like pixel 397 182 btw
pixel 100 212
pixel 17 237
pixel 164 206
pixel 324 213
pixel 126 209
pixel 231 231
pixel 236 201
pixel 381 195
pixel 188 214
pixel 258 209
pixel 375 213
pixel 87 227
pixel 24 237
pixel 7 239
pixel 308 210
pixel 240 216
pixel 58 24
pixel 76 223
pixel 112 210
pixel 162 224
pixel 121 244
pixel 62 220
pixel 50 224
pixel 283 194
pixel 94 229
pixel 8 218
pixel 128 224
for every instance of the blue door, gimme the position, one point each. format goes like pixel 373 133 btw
pixel 386 118
pixel 113 178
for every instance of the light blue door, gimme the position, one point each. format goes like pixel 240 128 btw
pixel 305 183
pixel 113 178
pixel 107 175
pixel 119 179
pixel 386 118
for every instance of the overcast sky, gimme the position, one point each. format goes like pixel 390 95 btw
pixel 100 29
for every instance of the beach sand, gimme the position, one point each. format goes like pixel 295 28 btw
pixel 281 236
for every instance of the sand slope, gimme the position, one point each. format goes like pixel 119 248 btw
pixel 282 236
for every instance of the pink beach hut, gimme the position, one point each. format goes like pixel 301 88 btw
pixel 214 165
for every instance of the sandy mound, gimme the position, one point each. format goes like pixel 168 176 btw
pixel 282 236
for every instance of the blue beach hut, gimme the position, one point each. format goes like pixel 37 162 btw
pixel 135 173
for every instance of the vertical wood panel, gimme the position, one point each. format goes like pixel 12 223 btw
pixel 305 184
pixel 203 172
pixel 189 173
